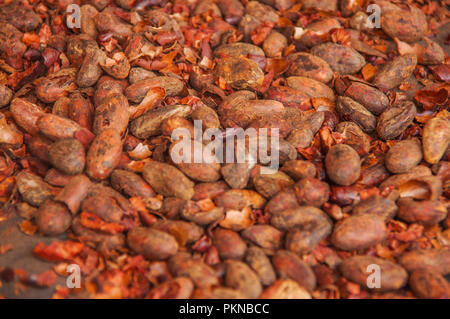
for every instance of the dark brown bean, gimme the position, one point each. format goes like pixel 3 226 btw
pixel 395 120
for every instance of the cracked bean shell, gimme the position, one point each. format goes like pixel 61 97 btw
pixel 392 122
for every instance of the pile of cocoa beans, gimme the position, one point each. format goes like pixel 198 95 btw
pixel 92 91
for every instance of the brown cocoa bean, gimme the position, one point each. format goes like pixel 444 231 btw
pixel 343 164
pixel 358 232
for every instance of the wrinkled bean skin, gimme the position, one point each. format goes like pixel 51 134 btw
pixel 203 276
pixel 151 243
pixel 208 170
pixel 193 213
pixel 270 184
pixel 290 97
pixel 104 207
pixel 207 115
pixel 6 95
pixel 310 87
pixel 320 4
pixel 284 200
pixel 307 227
pixel 274 44
pixel 56 86
pixel 240 73
pixel 393 278
pixel 318 32
pixel 113 112
pixel 240 198
pixel 372 99
pixel 9 133
pixel 22 17
pixel 90 70
pixel 395 72
pixel 299 169
pixel 136 92
pixel 395 120
pixel 236 174
pixel 81 110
